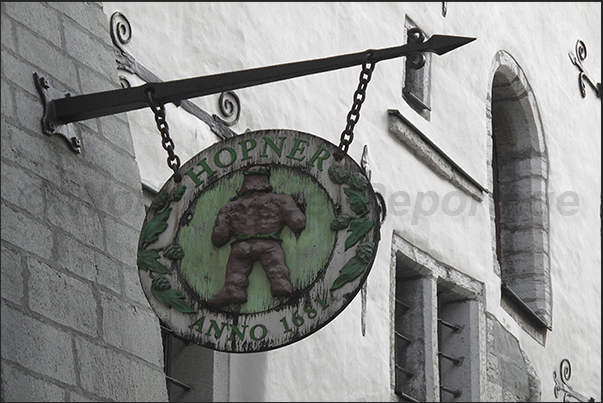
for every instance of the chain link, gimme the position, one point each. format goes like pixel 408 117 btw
pixel 347 136
pixel 173 160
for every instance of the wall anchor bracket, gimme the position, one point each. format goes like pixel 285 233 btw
pixel 50 125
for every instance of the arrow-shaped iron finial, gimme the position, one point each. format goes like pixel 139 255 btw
pixel 440 44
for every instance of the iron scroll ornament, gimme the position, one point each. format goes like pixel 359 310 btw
pixel 561 386
pixel 583 75
pixel 229 103
pixel 328 258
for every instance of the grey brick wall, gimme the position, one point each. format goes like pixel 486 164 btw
pixel 75 324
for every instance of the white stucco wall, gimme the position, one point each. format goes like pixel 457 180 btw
pixel 180 40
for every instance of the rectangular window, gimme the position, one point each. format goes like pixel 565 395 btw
pixel 437 328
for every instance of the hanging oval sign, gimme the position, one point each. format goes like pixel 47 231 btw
pixel 265 240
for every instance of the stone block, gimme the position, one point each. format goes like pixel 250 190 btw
pixel 12 275
pixel 19 386
pixel 8 39
pixel 25 232
pixel 80 398
pixel 78 44
pixel 131 328
pixel 524 214
pixel 523 189
pixel 87 15
pixel 525 240
pixel 523 168
pixel 89 263
pixel 62 298
pixel 101 191
pixel 525 265
pixel 49 58
pixel 38 17
pixel 74 217
pixel 31 152
pixel 122 241
pixel 123 378
pixel 132 286
pixel 8 104
pixel 92 81
pixel 513 377
pixel 110 159
pixel 19 73
pixel 53 352
pixel 117 132
pixel 23 190
pixel 30 111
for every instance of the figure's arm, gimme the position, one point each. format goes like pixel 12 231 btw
pixel 292 215
pixel 221 232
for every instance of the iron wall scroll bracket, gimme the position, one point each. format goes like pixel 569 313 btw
pixel 583 75
pixel 121 34
pixel 565 372
pixel 50 125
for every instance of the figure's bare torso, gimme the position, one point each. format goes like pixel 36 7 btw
pixel 258 213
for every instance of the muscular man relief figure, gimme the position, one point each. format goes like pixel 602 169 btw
pixel 255 220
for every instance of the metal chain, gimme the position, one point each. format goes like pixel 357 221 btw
pixel 173 160
pixel 347 136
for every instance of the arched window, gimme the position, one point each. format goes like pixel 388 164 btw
pixel 519 181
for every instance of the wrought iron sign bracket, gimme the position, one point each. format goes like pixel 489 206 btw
pixel 61 109
pixel 51 125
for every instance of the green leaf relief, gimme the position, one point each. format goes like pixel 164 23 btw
pixel 160 202
pixel 150 232
pixel 147 260
pixel 352 269
pixel 177 193
pixel 358 201
pixel 160 283
pixel 338 175
pixel 358 228
pixel 358 181
pixel 173 252
pixel 341 222
pixel 364 252
pixel 171 299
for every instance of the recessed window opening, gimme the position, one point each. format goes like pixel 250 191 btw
pixel 436 330
pixel 520 175
pixel 417 76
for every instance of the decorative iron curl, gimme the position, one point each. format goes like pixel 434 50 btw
pixel 565 373
pixel 121 30
pixel 229 105
pixel 581 55
pixel 565 369
pixel 583 75
pixel 581 78
pixel 123 80
pixel 581 50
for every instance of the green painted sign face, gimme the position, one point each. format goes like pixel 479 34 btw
pixel 266 239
